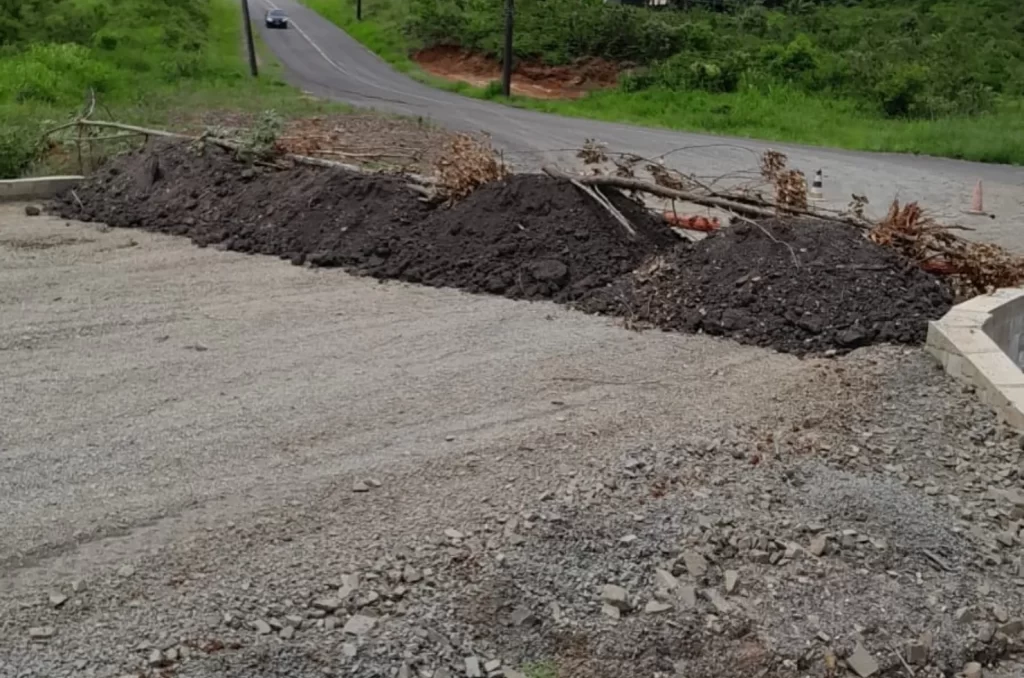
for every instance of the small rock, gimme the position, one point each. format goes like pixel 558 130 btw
pixel 350 650
pixel 156 658
pixel 473 667
pixel 1000 613
pixel 718 600
pixel 610 611
pixel 965 615
pixel 862 662
pixel 972 670
pixel 732 578
pixel 359 624
pixel 41 632
pixel 58 599
pixel 695 563
pixel 287 632
pixel 454 534
pixel 917 653
pixel 1012 628
pixel 262 627
pixel 665 580
pixel 32 211
pixel 616 596
pixel 360 486
pixel 125 571
pixel 987 632
pixel 656 607
pixel 688 596
pixel 1005 538
pixel 492 666
pixel 77 585
pixel 411 575
pixel 818 545
pixel 509 673
pixel 171 655
pixel 628 539
pixel 330 623
pixel 522 616
pixel 327 604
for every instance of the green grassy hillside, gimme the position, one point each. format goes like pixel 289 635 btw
pixel 926 76
pixel 147 61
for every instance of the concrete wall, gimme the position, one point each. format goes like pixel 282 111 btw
pixel 979 343
pixel 36 188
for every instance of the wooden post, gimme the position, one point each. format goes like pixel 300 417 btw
pixel 506 71
pixel 249 44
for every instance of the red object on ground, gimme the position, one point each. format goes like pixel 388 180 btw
pixel 692 222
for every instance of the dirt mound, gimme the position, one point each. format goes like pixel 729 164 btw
pixel 796 286
pixel 529 237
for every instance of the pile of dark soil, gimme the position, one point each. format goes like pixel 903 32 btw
pixel 797 286
pixel 802 287
pixel 529 237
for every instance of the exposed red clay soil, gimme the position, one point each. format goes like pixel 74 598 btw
pixel 528 79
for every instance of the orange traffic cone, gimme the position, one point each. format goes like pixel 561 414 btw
pixel 977 206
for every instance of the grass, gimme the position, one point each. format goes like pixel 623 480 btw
pixel 775 113
pixel 129 91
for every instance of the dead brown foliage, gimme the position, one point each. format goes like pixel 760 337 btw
pixel 466 164
pixel 974 268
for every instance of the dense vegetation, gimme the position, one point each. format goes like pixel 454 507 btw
pixel 144 59
pixel 935 76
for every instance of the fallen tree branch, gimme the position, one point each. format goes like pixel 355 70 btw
pixel 630 184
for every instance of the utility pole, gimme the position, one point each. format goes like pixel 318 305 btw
pixel 249 45
pixel 506 71
pixel 359 10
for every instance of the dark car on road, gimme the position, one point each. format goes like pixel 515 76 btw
pixel 276 18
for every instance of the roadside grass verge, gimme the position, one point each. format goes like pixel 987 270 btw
pixel 772 112
pixel 46 84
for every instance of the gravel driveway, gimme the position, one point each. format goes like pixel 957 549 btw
pixel 210 463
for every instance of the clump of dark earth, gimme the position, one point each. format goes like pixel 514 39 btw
pixel 528 237
pixel 799 286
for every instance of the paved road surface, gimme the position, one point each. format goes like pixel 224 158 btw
pixel 325 61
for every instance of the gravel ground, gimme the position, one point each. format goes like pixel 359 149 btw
pixel 221 465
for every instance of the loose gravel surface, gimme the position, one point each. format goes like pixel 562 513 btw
pixel 221 465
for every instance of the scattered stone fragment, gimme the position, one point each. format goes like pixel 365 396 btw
pixel 966 615
pixel 695 563
pixel 688 596
pixel 1012 627
pixel 77 585
pixel 1000 613
pixel 732 578
pixel 492 666
pixel 917 653
pixel 509 673
pixel 454 534
pixel 125 571
pixel 359 624
pixel 156 658
pixel 972 670
pixel 610 611
pixel 473 667
pixel 360 486
pixel 58 599
pixel 1005 538
pixel 287 632
pixel 330 623
pixel 327 604
pixel 665 580
pixel 616 596
pixel 862 663
pixel 718 600
pixel 171 654
pixel 987 632
pixel 656 607
pixel 522 616
pixel 32 211
pixel 262 627
pixel 41 632
pixel 350 650
pixel 628 539
pixel 818 545
pixel 411 575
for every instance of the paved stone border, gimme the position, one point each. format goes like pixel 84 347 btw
pixel 36 188
pixel 980 342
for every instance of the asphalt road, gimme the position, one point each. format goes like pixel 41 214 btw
pixel 326 62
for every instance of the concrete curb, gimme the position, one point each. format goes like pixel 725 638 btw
pixel 36 188
pixel 980 343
